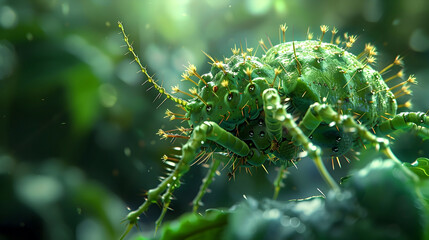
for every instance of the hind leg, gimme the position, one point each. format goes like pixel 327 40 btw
pixel 414 121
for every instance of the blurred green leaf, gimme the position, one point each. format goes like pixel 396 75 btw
pixel 355 212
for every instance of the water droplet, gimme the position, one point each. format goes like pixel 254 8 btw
pixel 229 97
pixel 251 133
pixel 261 122
pixel 335 149
pixel 338 139
pixel 262 134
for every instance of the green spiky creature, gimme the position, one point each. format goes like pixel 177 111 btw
pixel 240 113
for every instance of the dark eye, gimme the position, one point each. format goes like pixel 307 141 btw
pixel 251 88
pixel 335 149
pixel 261 122
pixel 229 97
pixel 251 133
pixel 338 139
pixel 208 108
pixel 262 134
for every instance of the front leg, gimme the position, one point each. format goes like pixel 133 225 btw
pixel 206 131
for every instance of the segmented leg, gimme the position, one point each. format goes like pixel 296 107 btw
pixel 273 108
pixel 278 182
pixel 206 182
pixel 416 121
pixel 206 131
pixel 318 113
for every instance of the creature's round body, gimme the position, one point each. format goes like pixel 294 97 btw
pixel 314 72
pixel 308 95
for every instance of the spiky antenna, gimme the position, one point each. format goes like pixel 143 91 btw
pixel 159 88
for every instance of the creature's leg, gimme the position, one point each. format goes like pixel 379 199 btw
pixel 416 121
pixel 318 113
pixel 278 182
pixel 273 108
pixel 275 132
pixel 206 131
pixel 206 182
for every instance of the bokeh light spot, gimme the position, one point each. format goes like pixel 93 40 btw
pixel 108 95
pixel 8 17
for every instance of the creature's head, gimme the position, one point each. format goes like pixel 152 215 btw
pixel 231 92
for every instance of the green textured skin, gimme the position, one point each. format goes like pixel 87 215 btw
pixel 328 74
pixel 228 110
pixel 329 71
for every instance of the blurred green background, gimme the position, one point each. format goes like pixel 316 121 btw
pixel 77 129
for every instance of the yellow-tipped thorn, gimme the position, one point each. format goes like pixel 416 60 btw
pixel 225 84
pixel 283 28
pixel 235 50
pixel 323 29
pixel 396 62
pixel 399 74
pixel 248 72
pixel 309 34
pixel 194 92
pixel 334 31
pixel 186 77
pixel 407 104
pixel 192 71
pixel 177 90
pixel 277 71
pixel 411 79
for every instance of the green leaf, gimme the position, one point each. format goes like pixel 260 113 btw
pixel 420 167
